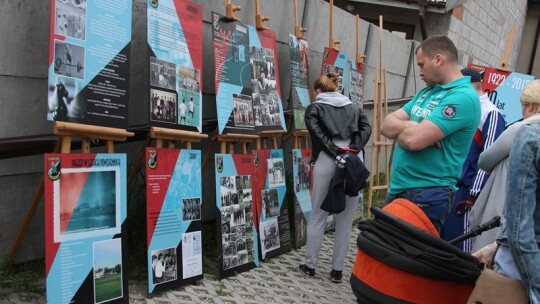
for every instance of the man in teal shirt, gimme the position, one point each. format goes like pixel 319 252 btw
pixel 433 132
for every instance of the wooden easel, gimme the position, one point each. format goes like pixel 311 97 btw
pixel 231 139
pixel 298 30
pixel 360 59
pixel 301 137
pixel 507 49
pixel 265 136
pixel 174 136
pixel 380 104
pixel 260 19
pixel 231 9
pixel 66 131
pixel 332 43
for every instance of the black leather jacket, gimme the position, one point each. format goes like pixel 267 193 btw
pixel 325 122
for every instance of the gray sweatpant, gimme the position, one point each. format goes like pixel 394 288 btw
pixel 323 172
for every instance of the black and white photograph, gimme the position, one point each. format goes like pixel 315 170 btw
pixel 163 106
pixel 243 111
pixel 270 204
pixel 355 89
pixel 164 265
pixel 269 231
pixel 191 209
pixel 257 108
pixel 269 109
pixel 162 74
pixel 189 79
pixel 301 229
pixel 229 192
pixel 303 179
pixel 64 103
pixel 70 18
pixel 68 59
pixel 276 172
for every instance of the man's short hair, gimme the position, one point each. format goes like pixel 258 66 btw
pixel 439 44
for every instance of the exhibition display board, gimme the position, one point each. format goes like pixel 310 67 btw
pixel 299 69
pixel 89 49
pixel 173 217
pixel 85 212
pixel 236 233
pixel 302 178
pixel 248 95
pixel 504 89
pixel 175 31
pixel 356 82
pixel 270 211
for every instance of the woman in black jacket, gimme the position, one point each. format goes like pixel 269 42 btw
pixel 334 123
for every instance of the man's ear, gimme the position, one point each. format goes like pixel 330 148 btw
pixel 438 59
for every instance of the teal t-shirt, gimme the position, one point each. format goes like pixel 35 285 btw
pixel 455 109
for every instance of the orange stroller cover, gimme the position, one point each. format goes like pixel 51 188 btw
pixel 373 281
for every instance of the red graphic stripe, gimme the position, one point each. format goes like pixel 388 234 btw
pixel 190 17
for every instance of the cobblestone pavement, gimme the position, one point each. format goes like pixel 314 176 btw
pixel 277 280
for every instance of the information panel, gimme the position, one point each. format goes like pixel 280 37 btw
pixel 336 61
pixel 85 212
pixel 173 218
pixel 248 94
pixel 269 209
pixel 89 48
pixel 237 234
pixel 356 83
pixel 176 56
pixel 302 194
pixel 299 52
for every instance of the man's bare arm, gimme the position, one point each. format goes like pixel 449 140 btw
pixel 420 136
pixel 395 123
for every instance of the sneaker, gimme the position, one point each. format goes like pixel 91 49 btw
pixel 335 276
pixel 307 270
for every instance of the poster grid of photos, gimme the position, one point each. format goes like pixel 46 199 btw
pixel 236 221
pixel 265 95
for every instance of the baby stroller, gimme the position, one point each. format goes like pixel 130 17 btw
pixel 401 259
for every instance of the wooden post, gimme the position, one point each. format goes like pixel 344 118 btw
pixel 66 131
pixel 264 136
pixel 231 9
pixel 507 49
pixel 260 19
pixel 298 30
pixel 174 136
pixel 301 137
pixel 380 104
pixel 359 57
pixel 332 43
pixel 231 139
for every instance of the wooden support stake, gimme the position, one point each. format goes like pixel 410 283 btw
pixel 301 136
pixel 359 57
pixel 333 43
pixel 298 30
pixel 264 136
pixel 507 49
pixel 231 9
pixel 260 19
pixel 231 139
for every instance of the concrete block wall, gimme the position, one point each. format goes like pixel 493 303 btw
pixel 482 34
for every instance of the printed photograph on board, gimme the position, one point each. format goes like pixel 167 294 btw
pixel 189 79
pixel 303 179
pixel 188 107
pixel 270 203
pixel 164 265
pixel 86 203
pixel 163 106
pixel 269 231
pixel 276 172
pixel 243 110
pixel 107 270
pixel 191 209
pixel 162 74
pixel 68 59
pixel 335 69
pixel 70 18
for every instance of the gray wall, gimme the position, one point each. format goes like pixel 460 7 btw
pixel 24 32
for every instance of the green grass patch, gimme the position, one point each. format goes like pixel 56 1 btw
pixel 109 287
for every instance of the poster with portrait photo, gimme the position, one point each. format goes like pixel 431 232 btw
pixel 234 200
pixel 163 106
pixel 88 62
pixel 173 214
pixel 162 74
pixel 269 203
pixel 164 265
pixel 70 18
pixel 85 212
pixel 191 209
pixel 107 271
pixel 68 59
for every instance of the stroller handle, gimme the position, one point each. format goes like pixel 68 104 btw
pixel 495 222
